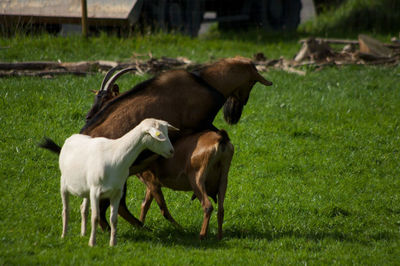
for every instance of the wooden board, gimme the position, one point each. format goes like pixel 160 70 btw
pixel 69 11
pixel 369 45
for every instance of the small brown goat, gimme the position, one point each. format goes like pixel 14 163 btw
pixel 200 164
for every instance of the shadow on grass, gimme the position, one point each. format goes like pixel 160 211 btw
pixel 170 236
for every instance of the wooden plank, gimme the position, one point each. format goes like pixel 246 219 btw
pixel 68 8
pixel 332 41
pixel 353 42
pixel 369 45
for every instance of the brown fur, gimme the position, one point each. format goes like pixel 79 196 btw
pixel 178 98
pixel 168 97
pixel 233 77
pixel 200 164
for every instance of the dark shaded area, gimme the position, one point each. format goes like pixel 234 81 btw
pixel 353 17
pixel 322 6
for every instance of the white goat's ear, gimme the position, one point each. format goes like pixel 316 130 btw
pixel 172 128
pixel 157 134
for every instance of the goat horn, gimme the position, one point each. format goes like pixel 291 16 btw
pixel 107 76
pixel 111 81
pixel 172 128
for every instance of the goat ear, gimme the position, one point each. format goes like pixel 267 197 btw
pixel 94 91
pixel 172 128
pixel 262 80
pixel 115 89
pixel 157 134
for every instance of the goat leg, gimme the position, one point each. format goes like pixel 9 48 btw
pixel 221 197
pixel 122 210
pixel 125 213
pixel 94 203
pixel 223 183
pixel 146 205
pixel 104 204
pixel 84 213
pixel 65 211
pixel 198 185
pixel 159 197
pixel 114 201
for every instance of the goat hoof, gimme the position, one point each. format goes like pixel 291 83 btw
pixel 147 229
pixel 105 228
pixel 178 226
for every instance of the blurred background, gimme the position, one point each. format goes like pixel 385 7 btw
pixel 194 17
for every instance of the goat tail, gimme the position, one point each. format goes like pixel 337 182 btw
pixel 50 145
pixel 224 137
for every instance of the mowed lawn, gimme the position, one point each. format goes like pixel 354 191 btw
pixel 315 178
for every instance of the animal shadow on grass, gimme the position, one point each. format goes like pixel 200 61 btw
pixel 171 236
pixel 189 237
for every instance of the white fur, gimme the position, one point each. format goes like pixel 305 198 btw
pixel 97 168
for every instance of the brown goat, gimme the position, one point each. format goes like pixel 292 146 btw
pixel 182 97
pixel 190 101
pixel 200 164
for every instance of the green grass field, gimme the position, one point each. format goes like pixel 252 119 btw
pixel 314 179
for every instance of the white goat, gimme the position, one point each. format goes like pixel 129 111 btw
pixel 97 168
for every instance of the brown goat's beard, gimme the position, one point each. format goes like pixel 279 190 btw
pixel 232 110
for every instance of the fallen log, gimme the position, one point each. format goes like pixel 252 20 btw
pixel 331 41
pixel 43 68
pixel 313 53
pixel 51 65
pixel 395 43
pixel 34 65
pixel 40 73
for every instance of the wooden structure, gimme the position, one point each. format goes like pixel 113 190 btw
pixel 100 12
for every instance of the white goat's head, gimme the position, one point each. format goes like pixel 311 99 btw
pixel 157 140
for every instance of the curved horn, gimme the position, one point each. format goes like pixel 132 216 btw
pixel 111 81
pixel 107 76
